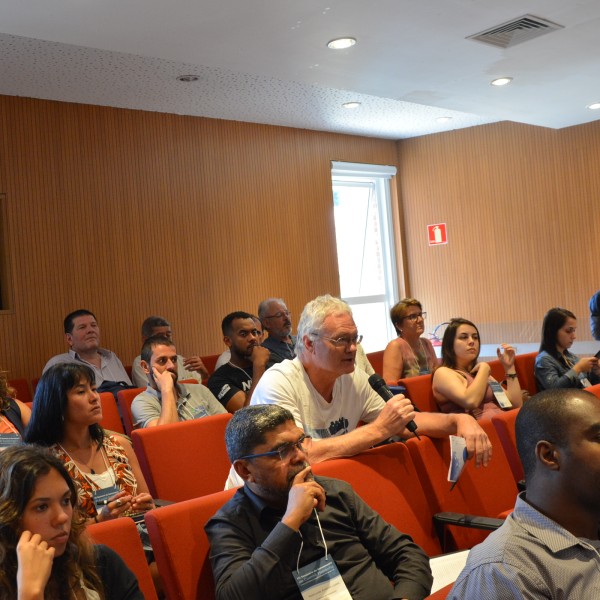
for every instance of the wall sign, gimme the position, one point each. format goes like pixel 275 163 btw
pixel 437 234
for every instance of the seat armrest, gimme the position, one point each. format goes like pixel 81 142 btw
pixel 462 520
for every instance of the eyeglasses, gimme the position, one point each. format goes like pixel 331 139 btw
pixel 278 315
pixel 341 341
pixel 414 317
pixel 284 451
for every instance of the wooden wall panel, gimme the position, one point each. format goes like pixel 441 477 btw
pixel 132 213
pixel 521 205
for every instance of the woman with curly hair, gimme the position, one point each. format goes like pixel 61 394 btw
pixel 14 416
pixel 43 554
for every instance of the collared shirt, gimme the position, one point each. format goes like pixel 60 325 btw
pixel 253 553
pixel 193 401
pixel 111 368
pixel 279 350
pixel 530 557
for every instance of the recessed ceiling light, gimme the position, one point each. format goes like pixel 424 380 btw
pixel 443 119
pixel 341 43
pixel 188 78
pixel 351 104
pixel 502 81
pixel 594 106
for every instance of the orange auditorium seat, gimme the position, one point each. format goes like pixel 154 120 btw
pixel 505 428
pixel 486 491
pixel 420 392
pixel 181 547
pixel 110 413
pixel 524 365
pixel 376 360
pixel 122 536
pixel 124 400
pixel 210 361
pixel 497 370
pixel 594 389
pixel 22 391
pixel 184 460
pixel 385 478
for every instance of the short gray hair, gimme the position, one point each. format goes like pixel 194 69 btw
pixel 247 428
pixel 313 315
pixel 263 307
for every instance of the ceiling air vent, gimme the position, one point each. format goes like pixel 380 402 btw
pixel 515 32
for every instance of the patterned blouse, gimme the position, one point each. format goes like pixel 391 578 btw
pixel 118 462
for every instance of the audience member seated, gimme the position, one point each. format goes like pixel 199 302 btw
pixel 226 354
pixel 409 354
pixel 285 523
pixel 548 547
pixel 233 384
pixel 555 366
pixel 165 400
pixel 44 551
pixel 14 416
pixel 188 368
pixel 328 397
pixel 462 385
pixel 595 315
pixel 83 336
pixel 65 417
pixel 275 318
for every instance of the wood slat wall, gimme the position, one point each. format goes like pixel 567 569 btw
pixel 132 213
pixel 522 208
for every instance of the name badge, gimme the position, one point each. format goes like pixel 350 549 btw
pixel 321 580
pixel 101 497
pixel 500 394
pixel 585 382
pixel 199 411
pixel 9 439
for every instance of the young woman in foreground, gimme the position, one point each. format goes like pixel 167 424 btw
pixel 44 553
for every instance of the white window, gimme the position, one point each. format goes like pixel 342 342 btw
pixel 365 247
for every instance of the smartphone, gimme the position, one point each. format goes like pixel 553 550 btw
pixel 597 355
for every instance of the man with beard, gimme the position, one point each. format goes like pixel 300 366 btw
pixel 165 400
pixel 275 318
pixel 83 336
pixel 234 382
pixel 280 525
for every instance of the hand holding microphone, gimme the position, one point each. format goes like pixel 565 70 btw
pixel 380 386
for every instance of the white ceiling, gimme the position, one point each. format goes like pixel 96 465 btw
pixel 266 61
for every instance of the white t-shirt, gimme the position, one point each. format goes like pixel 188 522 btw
pixel 287 384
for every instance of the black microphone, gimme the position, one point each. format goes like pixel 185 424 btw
pixel 377 382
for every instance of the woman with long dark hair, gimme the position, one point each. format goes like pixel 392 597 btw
pixel 555 365
pixel 43 551
pixel 462 384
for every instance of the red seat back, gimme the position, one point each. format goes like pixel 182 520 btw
pixel 505 428
pixel 22 391
pixel 184 460
pixel 111 419
pixel 210 362
pixel 122 536
pixel 485 491
pixel 420 392
pixel 524 365
pixel 125 399
pixel 385 478
pixel 376 360
pixel 497 370
pixel 181 547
